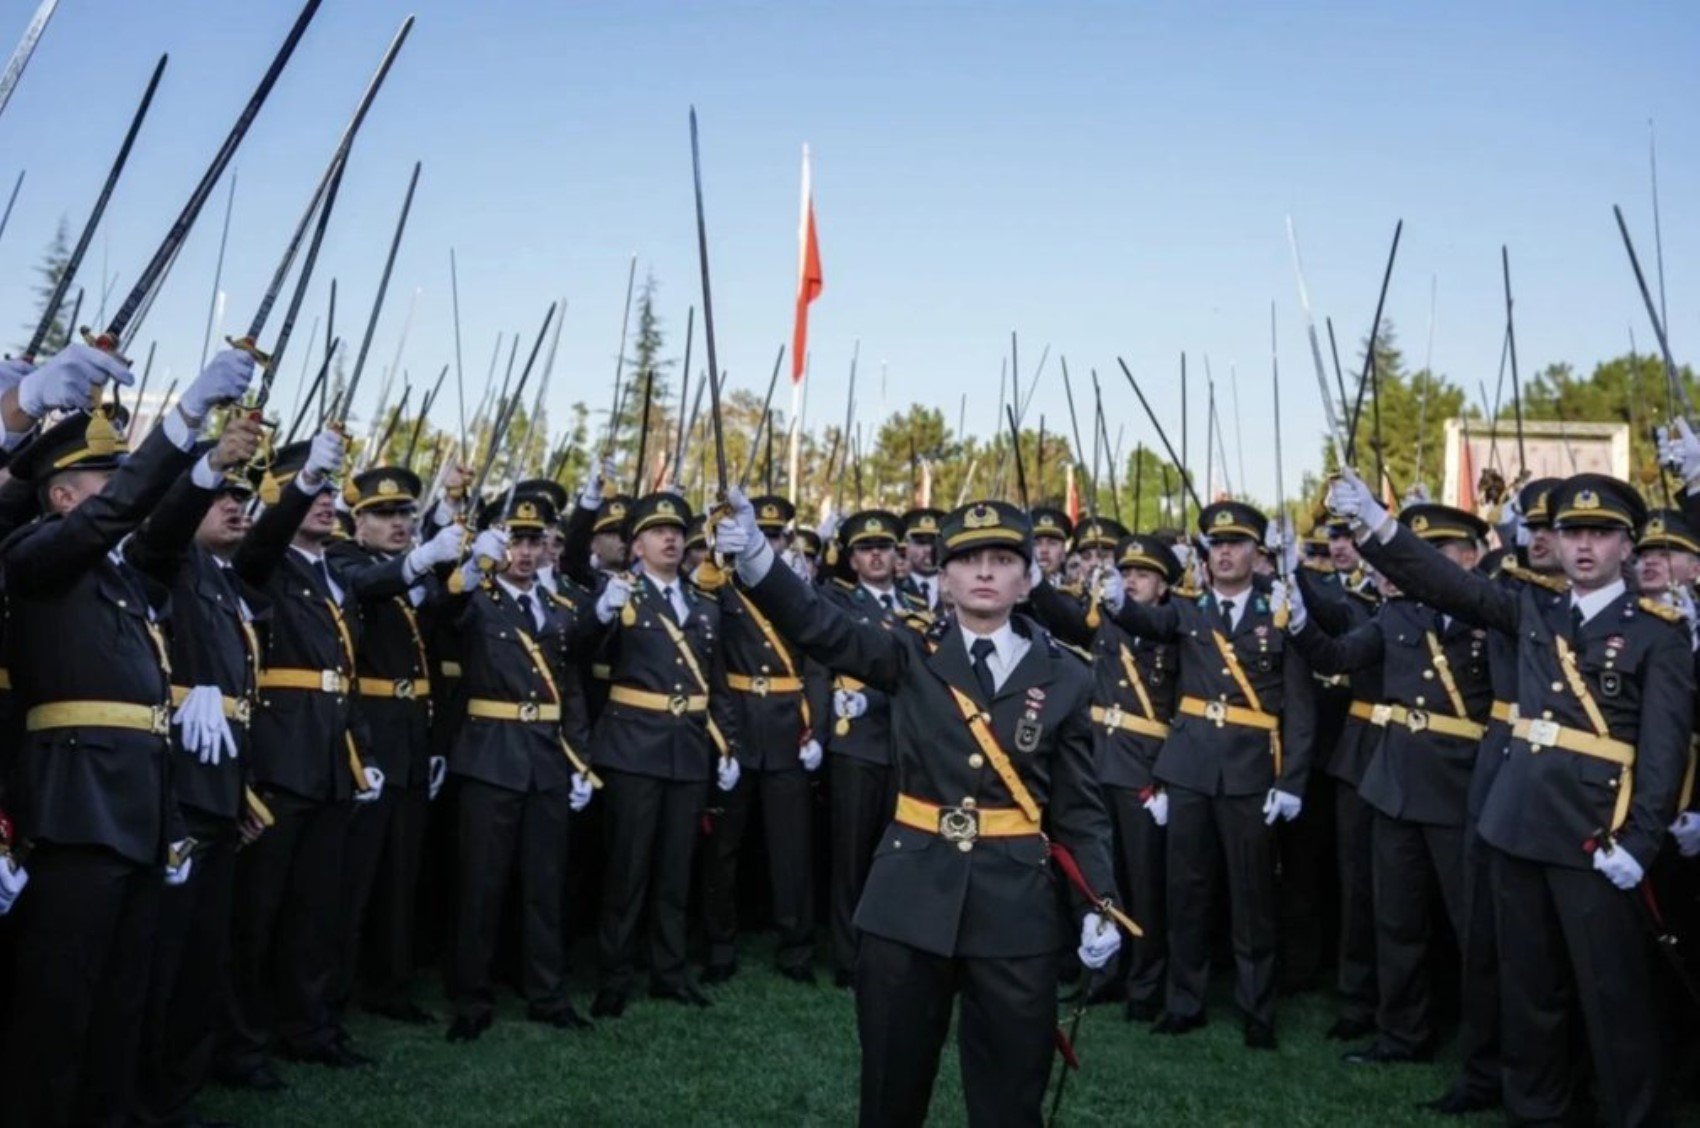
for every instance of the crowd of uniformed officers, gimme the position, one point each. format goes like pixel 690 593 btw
pixel 278 733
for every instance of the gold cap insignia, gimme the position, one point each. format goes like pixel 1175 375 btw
pixel 617 511
pixel 525 511
pixel 1656 526
pixel 770 512
pixel 388 487
pixel 982 516
pixel 665 508
pixel 1223 517
pixel 1586 499
pixel 872 525
pixel 1419 524
pixel 926 524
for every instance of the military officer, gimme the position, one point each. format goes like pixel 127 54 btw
pixel 1051 532
pixel 669 728
pixel 1435 707
pixel 1579 807
pixel 88 661
pixel 777 696
pixel 992 741
pixel 920 549
pixel 1235 763
pixel 1667 555
pixel 519 773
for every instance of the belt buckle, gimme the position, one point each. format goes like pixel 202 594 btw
pixel 1379 714
pixel 1216 712
pixel 330 681
pixel 758 686
pixel 677 704
pixel 404 689
pixel 243 710
pixel 159 720
pixel 1542 734
pixel 1113 718
pixel 530 711
pixel 1416 720
pixel 959 824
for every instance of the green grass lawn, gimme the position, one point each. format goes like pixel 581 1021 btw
pixel 773 1052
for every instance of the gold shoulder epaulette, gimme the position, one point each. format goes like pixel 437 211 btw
pixel 1069 648
pixel 1660 608
pixel 843 583
pixel 1541 579
pixel 1186 591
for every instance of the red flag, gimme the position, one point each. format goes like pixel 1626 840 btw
pixel 1073 504
pixel 809 278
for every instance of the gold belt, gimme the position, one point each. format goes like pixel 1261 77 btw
pixel 677 704
pixel 962 825
pixel 314 681
pixel 1545 734
pixel 400 689
pixel 1505 711
pixel 1420 720
pixel 1363 711
pixel 1221 713
pixel 155 719
pixel 762 685
pixel 235 708
pixel 1114 718
pixel 527 712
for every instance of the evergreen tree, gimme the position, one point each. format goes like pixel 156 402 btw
pixel 52 267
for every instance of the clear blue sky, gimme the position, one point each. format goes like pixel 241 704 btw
pixel 1106 178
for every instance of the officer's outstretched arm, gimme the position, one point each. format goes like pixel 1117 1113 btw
pixel 1422 572
pixel 825 632
pixel 1062 616
pixel 1661 753
pixel 1298 722
pixel 1328 605
pixel 161 545
pixel 1159 621
pixel 1075 811
pixel 1356 649
pixel 262 550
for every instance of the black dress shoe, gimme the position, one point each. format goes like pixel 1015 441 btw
pixel 844 979
pixel 1350 1029
pixel 1110 991
pixel 405 1011
pixel 336 1055
pixel 682 993
pixel 1378 1054
pixel 718 973
pixel 1257 1036
pixel 259 1078
pixel 1454 1103
pixel 1177 1023
pixel 803 975
pixel 563 1017
pixel 1142 1010
pixel 608 1003
pixel 468 1027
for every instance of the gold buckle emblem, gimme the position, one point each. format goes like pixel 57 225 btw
pixel 1542 734
pixel 1216 712
pixel 677 704
pixel 530 711
pixel 1112 718
pixel 959 824
pixel 1380 714
pixel 1416 720
pixel 159 720
pixel 758 686
pixel 330 681
pixel 404 689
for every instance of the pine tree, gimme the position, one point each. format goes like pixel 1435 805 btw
pixel 645 366
pixel 52 267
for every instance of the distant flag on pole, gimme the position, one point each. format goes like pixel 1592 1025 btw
pixel 1073 503
pixel 809 279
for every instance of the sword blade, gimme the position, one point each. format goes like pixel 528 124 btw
pixel 22 53
pixel 378 302
pixel 708 312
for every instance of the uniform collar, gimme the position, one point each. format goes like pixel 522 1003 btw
pixel 1598 600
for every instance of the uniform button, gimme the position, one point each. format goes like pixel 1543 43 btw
pixel 968 802
pixel 1224 671
pixel 1558 687
pixel 1419 701
pixel 1428 675
pixel 897 843
pixel 965 846
pixel 976 761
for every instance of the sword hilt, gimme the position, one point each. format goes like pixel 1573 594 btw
pixel 105 342
pixel 249 346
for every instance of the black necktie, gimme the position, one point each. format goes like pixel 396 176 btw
pixel 524 603
pixel 982 649
pixel 1228 615
pixel 1575 622
pixel 885 601
pixel 322 570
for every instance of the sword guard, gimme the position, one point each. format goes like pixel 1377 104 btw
pixel 249 346
pixel 105 342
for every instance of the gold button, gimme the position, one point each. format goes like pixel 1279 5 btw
pixel 1224 671
pixel 976 761
pixel 968 802
pixel 1419 701
pixel 965 846
pixel 1428 675
pixel 1558 687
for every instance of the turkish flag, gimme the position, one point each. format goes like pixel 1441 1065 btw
pixel 809 278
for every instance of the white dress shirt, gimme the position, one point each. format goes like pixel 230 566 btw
pixel 674 597
pixel 534 594
pixel 1596 601
pixel 1236 613
pixel 1011 648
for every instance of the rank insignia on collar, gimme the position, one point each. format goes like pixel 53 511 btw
pixel 1261 606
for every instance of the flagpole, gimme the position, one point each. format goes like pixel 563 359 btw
pixel 796 413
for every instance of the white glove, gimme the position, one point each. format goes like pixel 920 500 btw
pixel 491 544
pixel 615 595
pixel 582 791
pixel 848 703
pixel 178 873
pixel 437 770
pixel 1099 941
pixel 809 755
pixel 12 372
pixel 726 775
pixel 1112 590
pixel 828 529
pixel 374 786
pixel 205 731
pixel 69 380
pixel 1619 866
pixel 13 878
pixel 590 497
pixel 1284 594
pixel 443 548
pixel 223 380
pixel 1282 540
pixel 1158 807
pixel 1686 831
pixel 798 563
pixel 1681 452
pixel 1280 805
pixel 737 533
pixel 324 457
pixel 1352 499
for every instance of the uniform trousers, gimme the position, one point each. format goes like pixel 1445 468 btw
pixel 1410 861
pixel 652 829
pixel 787 810
pixel 863 796
pixel 1354 822
pixel 1141 849
pixel 385 841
